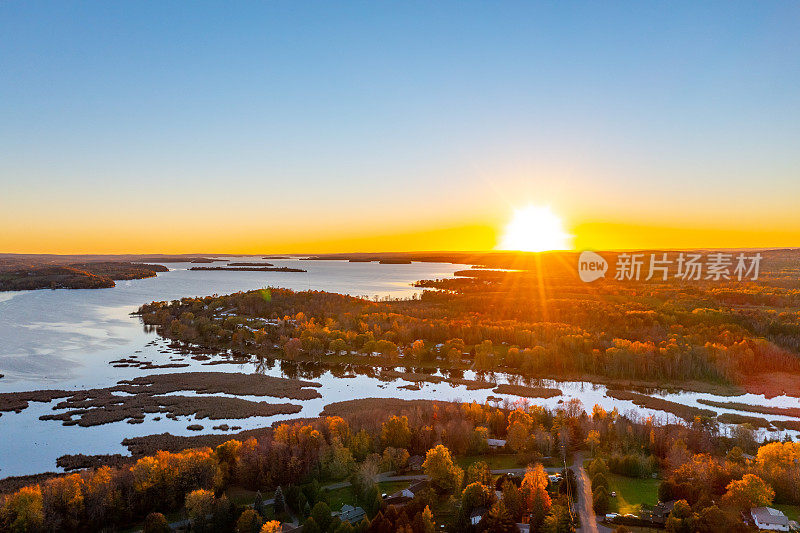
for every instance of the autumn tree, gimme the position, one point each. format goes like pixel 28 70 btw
pixel 712 520
pixel 497 520
pixel 476 495
pixel 22 511
pixel 156 523
pixel 337 462
pixel 273 526
pixel 394 459
pixel 681 519
pixel 750 491
pixel 63 502
pixel 479 472
pixel 592 440
pixel 396 433
pixel 439 467
pixel 428 524
pixel 249 522
pixel 199 505
pixel 534 494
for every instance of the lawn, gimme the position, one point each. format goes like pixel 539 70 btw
pixel 242 496
pixel 339 497
pixel 495 462
pixel 631 493
pixel 791 511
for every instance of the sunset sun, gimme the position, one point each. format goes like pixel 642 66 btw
pixel 535 229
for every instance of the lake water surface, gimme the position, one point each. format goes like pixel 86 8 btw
pixel 64 339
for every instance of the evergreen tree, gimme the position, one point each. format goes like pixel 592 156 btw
pixel 280 501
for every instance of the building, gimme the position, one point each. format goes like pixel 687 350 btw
pixel 351 514
pixel 769 519
pixel 403 496
pixel 476 515
pixel 658 513
pixel 496 444
pixel 415 462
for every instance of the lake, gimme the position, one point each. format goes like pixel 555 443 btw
pixel 64 339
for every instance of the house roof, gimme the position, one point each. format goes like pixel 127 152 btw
pixel 415 461
pixel 768 515
pixel 478 511
pixel 496 442
pixel 418 486
pixel 351 514
pixel 664 508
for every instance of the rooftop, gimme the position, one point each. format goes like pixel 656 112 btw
pixel 768 515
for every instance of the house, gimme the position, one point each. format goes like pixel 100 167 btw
pixel 769 518
pixel 476 515
pixel 496 444
pixel 415 462
pixel 402 496
pixel 418 486
pixel 658 513
pixel 351 514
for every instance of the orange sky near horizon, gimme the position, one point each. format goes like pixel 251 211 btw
pixel 156 237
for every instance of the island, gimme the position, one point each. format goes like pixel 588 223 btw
pixel 251 269
pixel 89 275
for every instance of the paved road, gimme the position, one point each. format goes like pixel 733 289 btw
pixel 583 503
pixel 589 522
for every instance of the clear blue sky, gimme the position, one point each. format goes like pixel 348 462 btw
pixel 314 120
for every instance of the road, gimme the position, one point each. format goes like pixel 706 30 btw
pixel 583 503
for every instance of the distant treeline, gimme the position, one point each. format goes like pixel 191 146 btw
pixel 92 275
pixel 538 323
pixel 252 269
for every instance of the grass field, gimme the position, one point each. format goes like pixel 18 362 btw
pixel 339 497
pixel 495 462
pixel 791 511
pixel 631 493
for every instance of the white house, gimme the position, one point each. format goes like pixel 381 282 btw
pixel 496 444
pixel 476 515
pixel 769 519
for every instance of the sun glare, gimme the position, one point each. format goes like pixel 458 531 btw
pixel 535 229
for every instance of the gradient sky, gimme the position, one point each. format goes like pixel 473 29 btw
pixel 373 126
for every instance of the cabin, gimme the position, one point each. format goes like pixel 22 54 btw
pixel 770 519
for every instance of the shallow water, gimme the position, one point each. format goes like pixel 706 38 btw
pixel 65 338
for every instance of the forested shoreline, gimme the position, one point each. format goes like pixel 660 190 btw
pixel 532 323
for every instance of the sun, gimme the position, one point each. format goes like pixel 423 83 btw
pixel 535 229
